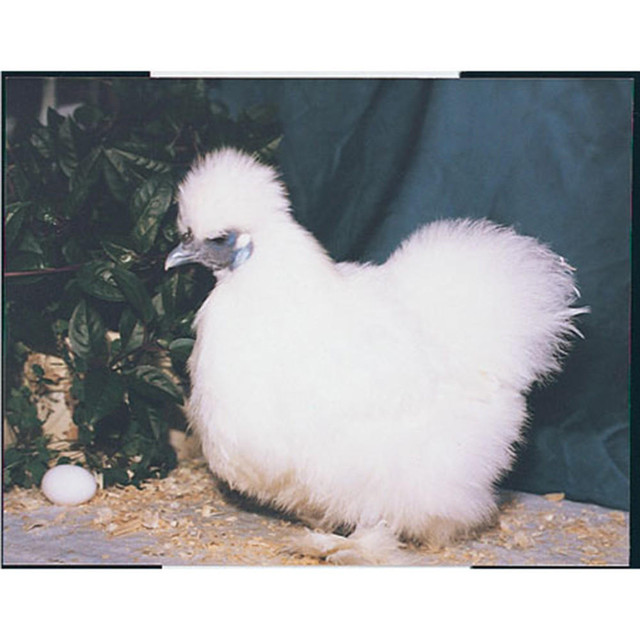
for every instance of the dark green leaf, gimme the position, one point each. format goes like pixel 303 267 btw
pixel 54 119
pixel 116 160
pixel 45 212
pixel 120 254
pixel 180 349
pixel 116 176
pixel 170 233
pixel 77 388
pixel 16 214
pixel 60 327
pixel 22 413
pixel 18 177
pixel 150 416
pixel 150 203
pixel 86 331
pixel 115 475
pixel 158 304
pixel 41 139
pixel 37 370
pixel 67 153
pixel 131 331
pixel 88 116
pixel 26 261
pixel 122 157
pixel 169 290
pixel 104 393
pixel 84 179
pixel 12 456
pixel 72 250
pixel 8 478
pixel 36 469
pixel 96 278
pixel 135 293
pixel 151 382
pixel 30 244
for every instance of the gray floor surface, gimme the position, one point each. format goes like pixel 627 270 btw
pixel 203 530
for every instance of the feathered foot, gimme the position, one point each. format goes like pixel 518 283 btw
pixel 365 546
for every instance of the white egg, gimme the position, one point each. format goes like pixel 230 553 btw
pixel 69 485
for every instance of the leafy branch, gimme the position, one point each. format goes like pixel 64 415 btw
pixel 91 197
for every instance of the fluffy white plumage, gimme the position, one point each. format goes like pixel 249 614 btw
pixel 355 394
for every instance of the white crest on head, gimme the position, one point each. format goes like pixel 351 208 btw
pixel 229 189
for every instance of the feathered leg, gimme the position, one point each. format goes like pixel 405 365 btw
pixel 365 546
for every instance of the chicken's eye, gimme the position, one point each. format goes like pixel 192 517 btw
pixel 221 240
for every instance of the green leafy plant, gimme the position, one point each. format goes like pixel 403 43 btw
pixel 89 218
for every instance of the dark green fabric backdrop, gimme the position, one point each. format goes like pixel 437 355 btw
pixel 367 161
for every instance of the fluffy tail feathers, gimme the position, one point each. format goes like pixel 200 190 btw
pixel 497 299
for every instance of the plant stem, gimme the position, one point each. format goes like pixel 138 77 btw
pixel 42 272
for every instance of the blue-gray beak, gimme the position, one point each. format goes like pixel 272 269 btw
pixel 182 254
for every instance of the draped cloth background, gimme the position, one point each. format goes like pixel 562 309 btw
pixel 369 160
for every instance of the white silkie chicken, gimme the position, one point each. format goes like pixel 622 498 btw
pixel 381 398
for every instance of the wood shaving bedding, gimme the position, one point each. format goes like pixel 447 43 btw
pixel 185 519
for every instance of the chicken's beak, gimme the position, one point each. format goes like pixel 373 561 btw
pixel 182 254
pixel 227 251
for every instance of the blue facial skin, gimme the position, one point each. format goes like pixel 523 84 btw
pixel 241 255
pixel 223 253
